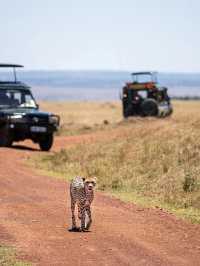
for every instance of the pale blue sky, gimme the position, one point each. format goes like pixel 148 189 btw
pixel 130 35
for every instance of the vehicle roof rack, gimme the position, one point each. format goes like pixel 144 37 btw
pixel 144 73
pixel 10 65
pixel 3 65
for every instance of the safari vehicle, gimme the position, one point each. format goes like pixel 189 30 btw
pixel 144 97
pixel 20 117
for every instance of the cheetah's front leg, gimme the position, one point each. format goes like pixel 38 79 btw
pixel 83 219
pixel 88 210
pixel 73 215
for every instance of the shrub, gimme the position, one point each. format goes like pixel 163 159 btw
pixel 189 183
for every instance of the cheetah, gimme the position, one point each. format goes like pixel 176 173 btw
pixel 82 194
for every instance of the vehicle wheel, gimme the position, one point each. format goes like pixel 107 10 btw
pixel 170 110
pixel 46 142
pixel 5 137
pixel 149 107
pixel 127 111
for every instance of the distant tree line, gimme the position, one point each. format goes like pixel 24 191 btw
pixel 186 98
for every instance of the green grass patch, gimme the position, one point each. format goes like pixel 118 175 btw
pixel 8 257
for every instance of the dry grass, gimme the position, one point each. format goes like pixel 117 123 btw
pixel 148 160
pixel 84 117
pixel 8 258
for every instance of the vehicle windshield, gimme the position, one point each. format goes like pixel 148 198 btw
pixel 10 98
pixel 143 78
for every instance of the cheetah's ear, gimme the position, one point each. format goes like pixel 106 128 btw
pixel 83 179
pixel 95 179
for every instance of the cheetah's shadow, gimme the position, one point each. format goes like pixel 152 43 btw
pixel 78 230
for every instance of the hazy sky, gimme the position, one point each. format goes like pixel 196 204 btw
pixel 105 34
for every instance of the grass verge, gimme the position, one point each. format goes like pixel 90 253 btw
pixel 152 162
pixel 8 257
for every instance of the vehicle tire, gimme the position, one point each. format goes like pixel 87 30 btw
pixel 127 111
pixel 46 142
pixel 5 137
pixel 170 110
pixel 149 107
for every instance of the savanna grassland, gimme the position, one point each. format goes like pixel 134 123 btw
pixel 84 117
pixel 149 161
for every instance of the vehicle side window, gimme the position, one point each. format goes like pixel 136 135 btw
pixel 28 98
pixel 16 97
pixel 4 98
pixel 13 98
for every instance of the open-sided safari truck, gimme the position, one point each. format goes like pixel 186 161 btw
pixel 20 117
pixel 144 96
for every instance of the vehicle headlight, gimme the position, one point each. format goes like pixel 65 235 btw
pixel 16 116
pixel 54 119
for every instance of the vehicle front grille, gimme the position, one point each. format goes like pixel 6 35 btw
pixel 36 119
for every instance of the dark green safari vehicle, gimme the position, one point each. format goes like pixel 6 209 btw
pixel 20 117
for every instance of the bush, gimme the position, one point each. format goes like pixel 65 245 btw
pixel 189 183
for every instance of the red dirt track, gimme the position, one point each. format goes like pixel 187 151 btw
pixel 35 215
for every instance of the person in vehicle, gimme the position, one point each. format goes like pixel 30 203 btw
pixel 4 99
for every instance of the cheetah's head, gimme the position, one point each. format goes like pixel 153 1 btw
pixel 90 183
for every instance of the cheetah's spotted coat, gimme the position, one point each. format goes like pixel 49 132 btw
pixel 82 194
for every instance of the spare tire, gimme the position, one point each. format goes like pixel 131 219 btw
pixel 149 107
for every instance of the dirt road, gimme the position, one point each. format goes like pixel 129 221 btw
pixel 35 216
